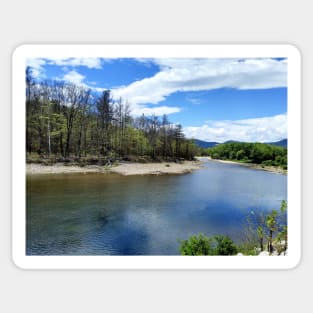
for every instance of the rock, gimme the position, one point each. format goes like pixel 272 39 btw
pixel 264 253
pixel 239 254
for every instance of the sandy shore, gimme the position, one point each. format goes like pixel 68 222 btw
pixel 123 168
pixel 156 168
pixel 272 169
pixel 61 169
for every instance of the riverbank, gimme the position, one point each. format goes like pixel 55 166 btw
pixel 126 169
pixel 273 169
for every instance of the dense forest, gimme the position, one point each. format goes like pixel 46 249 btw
pixel 69 122
pixel 258 153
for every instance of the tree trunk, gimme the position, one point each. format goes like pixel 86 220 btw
pixel 49 137
pixel 79 142
pixel 61 144
pixel 271 242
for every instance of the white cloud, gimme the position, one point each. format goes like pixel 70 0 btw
pixel 87 62
pixel 180 74
pixel 74 78
pixel 158 111
pixel 136 109
pixel 38 70
pixel 193 100
pixel 177 74
pixel 37 66
pixel 265 129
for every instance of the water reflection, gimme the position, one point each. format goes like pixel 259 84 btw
pixel 96 214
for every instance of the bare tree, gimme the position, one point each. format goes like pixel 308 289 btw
pixel 74 98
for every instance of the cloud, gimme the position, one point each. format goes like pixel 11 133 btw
pixel 38 64
pixel 265 129
pixel 175 75
pixel 78 79
pixel 193 100
pixel 158 111
pixel 192 74
pixel 95 63
pixel 74 78
pixel 37 67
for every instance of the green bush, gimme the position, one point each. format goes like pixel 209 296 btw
pixel 225 246
pixel 267 163
pixel 248 248
pixel 202 245
pixel 260 153
pixel 196 245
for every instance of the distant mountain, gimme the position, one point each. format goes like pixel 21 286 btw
pixel 209 144
pixel 282 143
pixel 205 144
pixel 231 141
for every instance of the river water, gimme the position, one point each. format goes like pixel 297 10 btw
pixel 108 214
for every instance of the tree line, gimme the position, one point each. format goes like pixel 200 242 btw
pixel 67 121
pixel 258 153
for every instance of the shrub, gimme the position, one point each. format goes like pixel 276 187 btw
pixel 202 245
pixel 225 246
pixel 196 245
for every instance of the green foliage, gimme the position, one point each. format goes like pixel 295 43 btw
pixel 271 221
pixel 68 121
pixel 259 153
pixel 240 155
pixel 267 231
pixel 247 248
pixel 202 245
pixel 261 231
pixel 282 240
pixel 283 207
pixel 197 245
pixel 225 246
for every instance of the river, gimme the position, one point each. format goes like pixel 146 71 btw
pixel 109 214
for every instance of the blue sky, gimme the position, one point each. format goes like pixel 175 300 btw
pixel 213 99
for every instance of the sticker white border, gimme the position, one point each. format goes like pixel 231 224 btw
pixel 161 51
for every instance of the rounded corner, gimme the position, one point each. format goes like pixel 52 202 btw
pixel 18 50
pixel 294 50
pixel 17 262
pixel 295 262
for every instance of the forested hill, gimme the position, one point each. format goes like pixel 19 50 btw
pixel 66 121
pixel 258 153
pixel 209 144
pixel 282 143
pixel 205 144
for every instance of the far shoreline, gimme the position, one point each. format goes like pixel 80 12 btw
pixel 272 169
pixel 124 168
pixel 135 168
